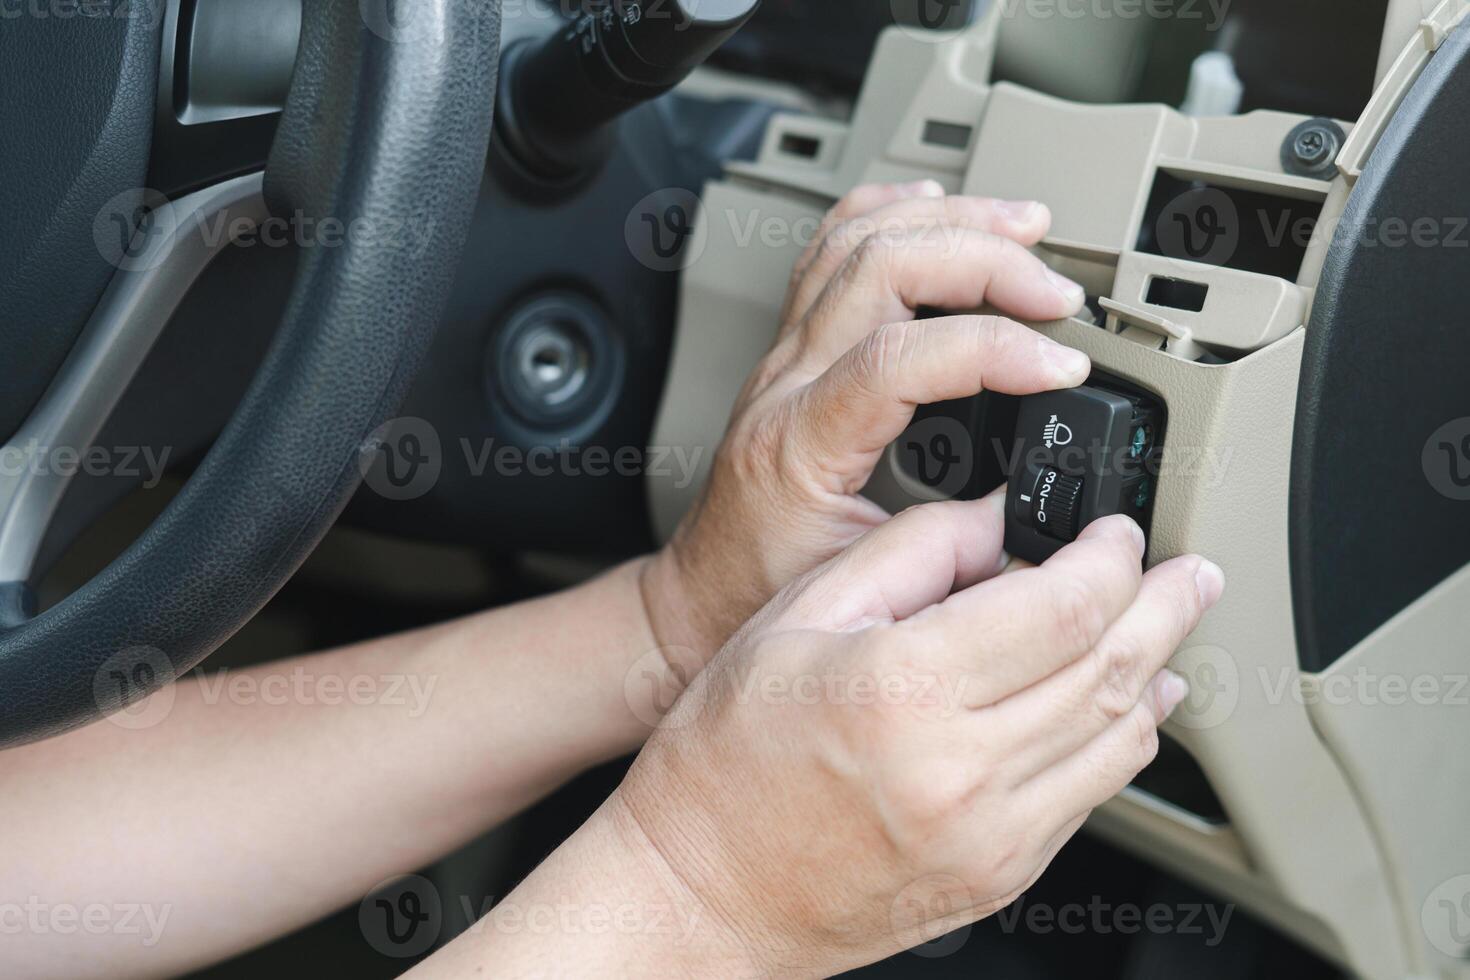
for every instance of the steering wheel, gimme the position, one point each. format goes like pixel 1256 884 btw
pixel 381 124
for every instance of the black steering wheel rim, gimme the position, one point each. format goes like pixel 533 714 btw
pixel 380 125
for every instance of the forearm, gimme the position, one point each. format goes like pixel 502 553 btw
pixel 265 799
pixel 603 904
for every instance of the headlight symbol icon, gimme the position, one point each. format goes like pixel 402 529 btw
pixel 1056 434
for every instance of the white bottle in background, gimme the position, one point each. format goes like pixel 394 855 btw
pixel 1214 88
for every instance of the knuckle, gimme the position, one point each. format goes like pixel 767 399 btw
pixel 855 199
pixel 1146 738
pixel 1076 612
pixel 871 255
pixel 923 521
pixel 1186 607
pixel 834 246
pixel 798 275
pixel 1118 535
pixel 924 797
pixel 1115 691
pixel 757 450
pixel 1179 621
pixel 919 233
pixel 1005 250
pixel 770 368
pixel 994 330
pixel 881 354
pixel 1003 866
pixel 788 455
pixel 999 339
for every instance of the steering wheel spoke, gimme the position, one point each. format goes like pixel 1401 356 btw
pixel 177 241
pixel 382 124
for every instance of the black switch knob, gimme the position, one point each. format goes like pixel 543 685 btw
pixel 1056 504
pixel 559 95
pixel 1080 454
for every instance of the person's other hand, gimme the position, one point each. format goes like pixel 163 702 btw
pixel 900 742
pixel 842 380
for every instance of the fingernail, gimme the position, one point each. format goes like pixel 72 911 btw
pixel 1018 211
pixel 923 188
pixel 1173 689
pixel 1136 533
pixel 1071 363
pixel 1210 581
pixel 1114 524
pixel 1071 292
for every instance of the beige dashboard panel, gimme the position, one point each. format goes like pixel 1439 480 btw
pixel 1326 835
pixel 1396 709
pixel 1091 164
pixel 1312 851
pixel 1087 52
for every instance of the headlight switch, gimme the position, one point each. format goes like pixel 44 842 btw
pixel 1081 454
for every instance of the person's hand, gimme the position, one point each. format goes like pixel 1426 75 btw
pixel 900 742
pixel 847 370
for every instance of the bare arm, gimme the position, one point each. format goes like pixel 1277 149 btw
pixel 953 750
pixel 266 799
pixel 235 819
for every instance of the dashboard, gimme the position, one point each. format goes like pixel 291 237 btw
pixel 1280 361
pixel 624 314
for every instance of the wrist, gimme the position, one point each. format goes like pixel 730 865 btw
pixel 680 611
pixel 711 941
pixel 613 909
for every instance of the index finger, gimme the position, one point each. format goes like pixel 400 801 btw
pixel 866 400
pixel 1013 630
pixel 860 200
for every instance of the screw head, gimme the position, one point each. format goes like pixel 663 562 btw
pixel 1311 147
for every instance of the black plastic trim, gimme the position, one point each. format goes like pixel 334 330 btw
pixel 1374 523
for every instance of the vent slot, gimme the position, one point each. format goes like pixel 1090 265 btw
pixel 797 145
pixel 1179 294
pixel 952 135
pixel 1229 227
